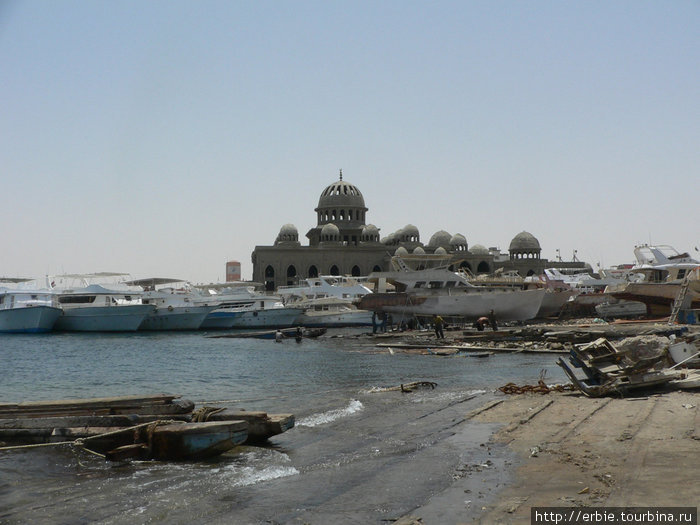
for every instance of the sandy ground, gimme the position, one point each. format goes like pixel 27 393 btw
pixel 575 451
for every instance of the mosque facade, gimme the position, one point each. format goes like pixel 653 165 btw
pixel 342 243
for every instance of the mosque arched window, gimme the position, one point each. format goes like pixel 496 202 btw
pixel 334 270
pixel 355 272
pixel 313 271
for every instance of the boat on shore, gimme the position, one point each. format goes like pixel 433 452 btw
pixel 161 426
pixel 438 291
pixel 664 270
pixel 26 310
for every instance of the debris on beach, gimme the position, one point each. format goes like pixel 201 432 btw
pixel 540 388
pixel 406 387
pixel 599 368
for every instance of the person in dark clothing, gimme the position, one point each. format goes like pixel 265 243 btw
pixel 492 321
pixel 438 322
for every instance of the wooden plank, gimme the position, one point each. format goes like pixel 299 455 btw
pixel 97 402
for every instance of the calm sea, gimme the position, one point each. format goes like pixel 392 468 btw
pixel 326 382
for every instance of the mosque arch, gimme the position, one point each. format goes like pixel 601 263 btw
pixel 334 270
pixel 269 278
pixel 355 272
pixel 313 271
pixel 291 274
pixel 483 267
pixel 376 268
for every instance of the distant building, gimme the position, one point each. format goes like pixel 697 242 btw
pixel 342 243
pixel 233 271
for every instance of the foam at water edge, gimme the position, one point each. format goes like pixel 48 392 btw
pixel 331 415
pixel 250 476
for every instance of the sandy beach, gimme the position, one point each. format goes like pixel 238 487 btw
pixel 572 451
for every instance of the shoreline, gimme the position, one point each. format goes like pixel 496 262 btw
pixel 573 451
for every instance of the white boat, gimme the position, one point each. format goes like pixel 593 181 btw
pixel 331 312
pixel 243 307
pixel 338 286
pixel 615 308
pixel 26 310
pixel 95 308
pixel 178 308
pixel 442 292
pixel 664 269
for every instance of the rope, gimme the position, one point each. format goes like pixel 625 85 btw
pixel 204 413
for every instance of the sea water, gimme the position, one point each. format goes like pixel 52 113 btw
pixel 345 433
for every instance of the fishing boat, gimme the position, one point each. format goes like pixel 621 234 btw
pixel 25 310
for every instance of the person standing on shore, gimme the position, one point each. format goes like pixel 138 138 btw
pixel 438 322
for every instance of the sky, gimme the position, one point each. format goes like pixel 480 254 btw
pixel 164 138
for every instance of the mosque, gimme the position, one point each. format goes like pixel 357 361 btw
pixel 342 243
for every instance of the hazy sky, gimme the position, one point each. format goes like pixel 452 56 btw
pixel 163 138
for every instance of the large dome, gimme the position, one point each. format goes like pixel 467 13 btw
pixel 341 194
pixel 524 241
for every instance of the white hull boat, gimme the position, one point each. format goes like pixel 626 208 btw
pixel 331 313
pixel 126 318
pixel 244 308
pixel 27 310
pixel 176 318
pixel 438 291
pixel 34 319
pixel 97 309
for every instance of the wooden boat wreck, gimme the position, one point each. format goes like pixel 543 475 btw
pixel 160 427
pixel 599 369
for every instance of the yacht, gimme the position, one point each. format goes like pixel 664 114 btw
pixel 443 292
pixel 26 310
pixel 331 312
pixel 243 307
pixel 178 307
pixel 95 308
pixel 338 286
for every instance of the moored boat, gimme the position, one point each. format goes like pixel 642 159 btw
pixel 25 310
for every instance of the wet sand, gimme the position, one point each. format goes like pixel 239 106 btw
pixel 575 451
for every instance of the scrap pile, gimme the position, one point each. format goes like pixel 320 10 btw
pixel 599 368
pixel 158 426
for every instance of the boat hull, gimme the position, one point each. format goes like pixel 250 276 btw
pixel 553 301
pixel 273 318
pixel 176 318
pixel 33 319
pixel 658 297
pixel 512 305
pixel 103 319
pixel 335 320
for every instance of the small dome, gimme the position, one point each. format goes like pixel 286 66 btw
pixel 479 249
pixel 389 239
pixel 289 229
pixel 401 251
pixel 370 233
pixel 524 241
pixel 441 238
pixel 458 240
pixel 418 250
pixel 370 229
pixel 330 232
pixel 288 233
pixel 441 251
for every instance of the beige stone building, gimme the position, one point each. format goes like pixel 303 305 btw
pixel 342 243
